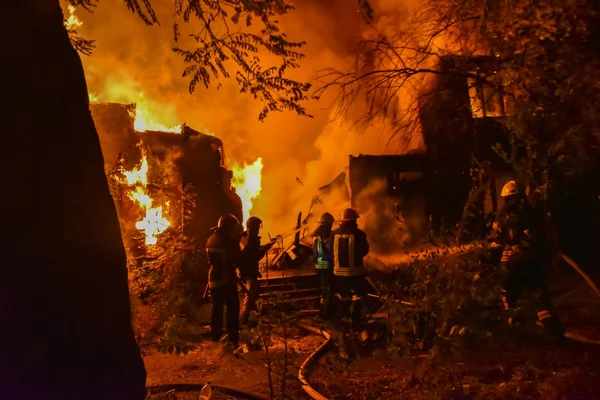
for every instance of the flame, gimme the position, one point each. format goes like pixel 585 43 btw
pixel 148 116
pixel 247 181
pixel 72 22
pixel 143 122
pixel 154 223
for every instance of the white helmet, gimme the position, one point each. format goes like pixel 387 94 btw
pixel 509 189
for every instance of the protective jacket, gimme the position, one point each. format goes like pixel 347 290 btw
pixel 223 257
pixel 321 252
pixel 518 235
pixel 348 245
pixel 252 253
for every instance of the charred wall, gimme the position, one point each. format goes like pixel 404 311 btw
pixel 447 127
pixel 198 159
pixel 408 181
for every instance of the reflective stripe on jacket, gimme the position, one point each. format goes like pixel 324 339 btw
pixel 350 246
pixel 322 253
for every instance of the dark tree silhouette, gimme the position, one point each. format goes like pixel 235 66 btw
pixel 64 301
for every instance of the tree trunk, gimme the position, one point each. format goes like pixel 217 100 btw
pixel 64 307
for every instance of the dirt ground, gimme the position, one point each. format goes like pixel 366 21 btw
pixel 212 362
pixel 516 364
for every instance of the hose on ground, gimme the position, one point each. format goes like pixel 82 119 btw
pixel 303 371
pixel 581 272
pixel 581 338
pixel 190 387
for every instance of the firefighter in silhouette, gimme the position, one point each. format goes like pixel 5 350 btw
pixel 348 245
pixel 524 257
pixel 223 251
pixel 252 253
pixel 323 262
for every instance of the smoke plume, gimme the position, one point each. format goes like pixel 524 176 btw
pixel 135 63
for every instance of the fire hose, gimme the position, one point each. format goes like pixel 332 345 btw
pixel 303 371
pixel 585 276
pixel 196 387
pixel 573 335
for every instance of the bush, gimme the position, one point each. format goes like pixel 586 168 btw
pixel 441 304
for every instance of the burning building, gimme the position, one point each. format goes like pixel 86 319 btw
pixel 158 167
pixel 460 122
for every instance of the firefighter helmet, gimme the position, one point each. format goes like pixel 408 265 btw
pixel 253 223
pixel 326 219
pixel 228 222
pixel 509 189
pixel 349 214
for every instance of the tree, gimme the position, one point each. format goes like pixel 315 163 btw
pixel 64 297
pixel 542 55
pixel 232 35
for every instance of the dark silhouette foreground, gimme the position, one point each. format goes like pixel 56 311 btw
pixel 64 307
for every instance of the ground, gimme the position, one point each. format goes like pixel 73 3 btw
pixel 519 363
pixel 212 362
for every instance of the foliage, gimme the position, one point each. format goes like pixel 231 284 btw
pixel 169 282
pixel 434 305
pixel 165 279
pixel 235 34
pixel 542 56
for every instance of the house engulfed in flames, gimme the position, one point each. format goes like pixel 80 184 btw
pixel 153 166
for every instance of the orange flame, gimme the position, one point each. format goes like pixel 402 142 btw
pixel 247 181
pixel 154 223
pixel 143 122
pixel 148 116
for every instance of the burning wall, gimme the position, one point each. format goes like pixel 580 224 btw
pixel 154 167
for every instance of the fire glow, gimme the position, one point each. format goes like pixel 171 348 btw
pixel 143 122
pixel 72 22
pixel 154 223
pixel 143 118
pixel 247 181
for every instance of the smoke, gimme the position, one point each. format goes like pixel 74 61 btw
pixel 390 223
pixel 135 63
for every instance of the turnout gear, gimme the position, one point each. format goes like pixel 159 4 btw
pixel 349 214
pixel 509 189
pixel 326 219
pixel 223 258
pixel 223 253
pixel 523 259
pixel 322 255
pixel 321 249
pixel 225 297
pixel 349 246
pixel 253 223
pixel 252 253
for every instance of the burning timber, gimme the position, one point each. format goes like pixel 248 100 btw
pixel 169 165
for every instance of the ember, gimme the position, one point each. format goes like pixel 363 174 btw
pixel 72 22
pixel 247 181
pixel 154 223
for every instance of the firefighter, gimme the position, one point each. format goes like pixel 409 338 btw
pixel 252 253
pixel 523 258
pixel 223 251
pixel 348 245
pixel 323 262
